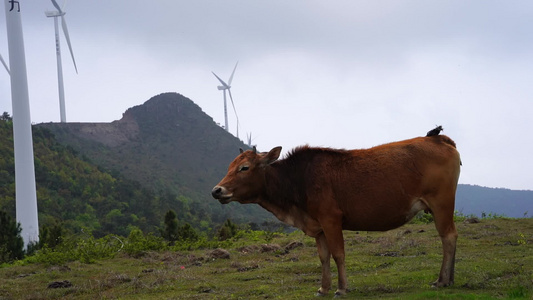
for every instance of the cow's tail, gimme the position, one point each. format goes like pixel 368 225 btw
pixel 435 134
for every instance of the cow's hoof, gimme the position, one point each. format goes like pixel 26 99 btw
pixel 321 292
pixel 439 284
pixel 339 293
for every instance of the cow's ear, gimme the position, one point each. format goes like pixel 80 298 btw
pixel 272 155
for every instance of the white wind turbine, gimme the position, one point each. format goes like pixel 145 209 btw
pixel 25 191
pixel 55 15
pixel 224 87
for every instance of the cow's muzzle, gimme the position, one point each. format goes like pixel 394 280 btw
pixel 221 194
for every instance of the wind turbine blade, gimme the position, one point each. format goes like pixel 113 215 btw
pixel 57 6
pixel 232 73
pixel 233 104
pixel 65 31
pixel 5 65
pixel 64 5
pixel 221 81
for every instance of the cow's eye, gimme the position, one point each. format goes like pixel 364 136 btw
pixel 244 168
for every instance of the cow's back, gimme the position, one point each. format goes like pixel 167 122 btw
pixel 377 188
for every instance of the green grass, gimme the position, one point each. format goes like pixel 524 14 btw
pixel 494 261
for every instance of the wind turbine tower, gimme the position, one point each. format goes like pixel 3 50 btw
pixel 227 87
pixel 26 195
pixel 249 140
pixel 55 15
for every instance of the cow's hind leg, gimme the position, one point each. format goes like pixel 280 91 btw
pixel 324 254
pixel 448 234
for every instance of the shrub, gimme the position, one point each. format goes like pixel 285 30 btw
pixel 228 230
pixel 422 218
pixel 49 256
pixel 86 249
pixel 138 243
pixel 187 233
pixel 91 249
pixel 11 243
pixel 51 235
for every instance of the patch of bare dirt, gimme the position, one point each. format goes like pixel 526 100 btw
pixel 111 134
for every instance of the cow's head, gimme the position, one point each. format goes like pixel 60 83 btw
pixel 245 178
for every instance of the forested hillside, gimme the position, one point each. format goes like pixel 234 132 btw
pixel 76 194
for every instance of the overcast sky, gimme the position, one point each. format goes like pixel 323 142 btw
pixel 342 74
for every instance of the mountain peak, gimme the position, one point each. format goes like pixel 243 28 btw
pixel 166 105
pixel 171 113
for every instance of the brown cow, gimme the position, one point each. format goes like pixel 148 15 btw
pixel 323 191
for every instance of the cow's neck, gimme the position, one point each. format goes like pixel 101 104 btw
pixel 280 200
pixel 280 213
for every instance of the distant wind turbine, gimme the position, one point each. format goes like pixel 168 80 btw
pixel 5 65
pixel 55 15
pixel 224 87
pixel 249 140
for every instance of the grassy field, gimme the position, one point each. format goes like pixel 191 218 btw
pixel 494 261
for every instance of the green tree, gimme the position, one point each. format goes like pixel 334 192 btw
pixel 51 236
pixel 5 116
pixel 170 232
pixel 228 230
pixel 187 233
pixel 11 243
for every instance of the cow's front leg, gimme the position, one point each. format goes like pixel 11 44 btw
pixel 324 254
pixel 338 256
pixel 335 243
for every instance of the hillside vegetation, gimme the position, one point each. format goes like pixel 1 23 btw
pixel 78 195
pixel 494 261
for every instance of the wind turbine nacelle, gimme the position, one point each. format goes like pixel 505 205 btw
pixel 221 87
pixel 52 14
